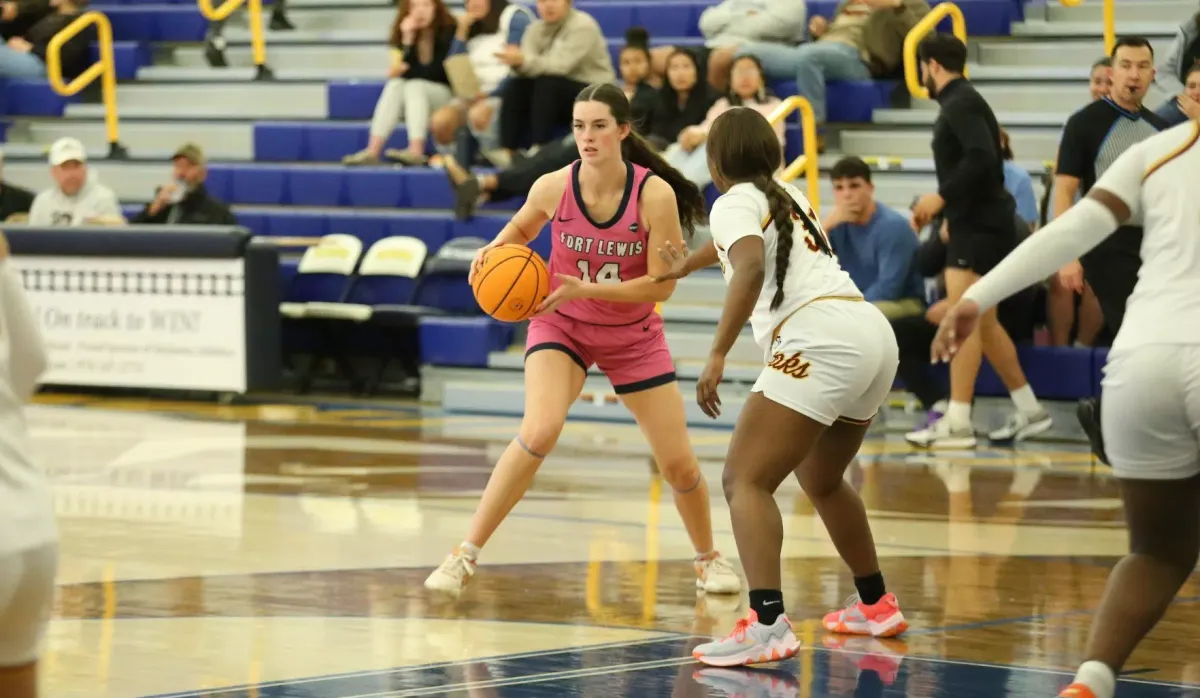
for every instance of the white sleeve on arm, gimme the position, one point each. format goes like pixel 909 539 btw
pixel 1067 238
pixel 734 217
pixel 27 359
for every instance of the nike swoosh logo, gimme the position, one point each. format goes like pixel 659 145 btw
pixel 565 220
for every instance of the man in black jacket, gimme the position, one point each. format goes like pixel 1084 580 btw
pixel 185 201
pixel 980 216
pixel 13 199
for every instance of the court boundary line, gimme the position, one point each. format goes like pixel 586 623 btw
pixel 666 635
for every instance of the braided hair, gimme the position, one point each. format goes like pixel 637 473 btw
pixel 743 147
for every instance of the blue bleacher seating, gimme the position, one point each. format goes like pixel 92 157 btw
pixel 461 341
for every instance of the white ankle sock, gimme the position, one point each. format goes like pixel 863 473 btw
pixel 1098 677
pixel 959 414
pixel 1026 401
pixel 471 550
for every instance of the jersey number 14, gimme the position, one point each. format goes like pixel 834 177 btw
pixel 608 273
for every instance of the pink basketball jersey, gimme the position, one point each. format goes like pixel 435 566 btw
pixel 606 252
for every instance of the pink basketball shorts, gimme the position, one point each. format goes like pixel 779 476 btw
pixel 635 357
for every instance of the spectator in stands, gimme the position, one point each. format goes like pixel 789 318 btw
pixel 1100 79
pixel 1173 72
pixel 634 68
pixel 14 201
pixel 864 40
pixel 185 200
pixel 508 183
pixel 76 198
pixel 214 41
pixel 914 333
pixel 1018 183
pixel 25 56
pixel 484 29
pixel 733 22
pixel 1187 104
pixel 17 16
pixel 560 54
pixel 748 88
pixel 417 83
pixel 874 243
pixel 683 101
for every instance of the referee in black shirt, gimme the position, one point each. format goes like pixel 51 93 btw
pixel 1092 140
pixel 981 217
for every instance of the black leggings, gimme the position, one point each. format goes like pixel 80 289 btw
pixel 914 335
pixel 535 111
pixel 518 180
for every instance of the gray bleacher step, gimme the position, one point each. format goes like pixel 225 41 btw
pixel 926 117
pixel 883 165
pixel 1147 28
pixel 597 402
pixel 695 345
pixel 372 58
pixel 314 19
pixel 982 74
pixel 1063 97
pixel 1027 143
pixel 233 74
pixel 1125 12
pixel 701 288
pixel 683 313
pixel 368 33
pixel 1062 52
pixel 259 100
pixel 130 181
pixel 346 5
pixel 219 140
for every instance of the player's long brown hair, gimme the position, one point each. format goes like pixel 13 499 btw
pixel 742 147
pixel 692 208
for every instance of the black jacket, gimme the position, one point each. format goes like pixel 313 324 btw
pixel 197 208
pixel 14 199
pixel 76 52
pixel 434 70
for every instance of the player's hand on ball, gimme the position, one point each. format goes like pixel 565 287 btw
pixel 677 257
pixel 706 387
pixel 958 324
pixel 477 263
pixel 570 288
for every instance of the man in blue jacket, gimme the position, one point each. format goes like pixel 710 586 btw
pixel 874 243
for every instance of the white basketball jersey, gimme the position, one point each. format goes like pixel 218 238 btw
pixel 812 273
pixel 1158 182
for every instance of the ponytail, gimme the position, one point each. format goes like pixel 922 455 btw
pixel 693 209
pixel 784 213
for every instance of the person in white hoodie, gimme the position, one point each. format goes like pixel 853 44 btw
pixel 77 197
pixel 733 22
pixel 28 534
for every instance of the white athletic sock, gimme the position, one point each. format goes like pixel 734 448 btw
pixel 471 550
pixel 959 415
pixel 940 406
pixel 1026 401
pixel 1098 677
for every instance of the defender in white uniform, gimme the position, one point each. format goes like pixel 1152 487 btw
pixel 1151 419
pixel 28 536
pixel 830 361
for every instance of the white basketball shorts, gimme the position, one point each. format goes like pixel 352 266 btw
pixel 833 359
pixel 26 597
pixel 1150 412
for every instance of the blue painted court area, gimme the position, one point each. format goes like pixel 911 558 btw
pixel 663 667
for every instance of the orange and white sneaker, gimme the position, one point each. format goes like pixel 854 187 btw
pixel 1077 690
pixel 751 642
pixel 453 575
pixel 715 575
pixel 880 619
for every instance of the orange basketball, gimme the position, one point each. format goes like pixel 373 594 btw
pixel 511 283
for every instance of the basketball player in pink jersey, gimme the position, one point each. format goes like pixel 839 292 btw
pixel 609 211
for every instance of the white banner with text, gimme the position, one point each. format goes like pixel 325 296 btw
pixel 140 323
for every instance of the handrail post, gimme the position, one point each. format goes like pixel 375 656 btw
pixel 807 163
pixel 103 69
pixel 258 44
pixel 927 24
pixel 1110 22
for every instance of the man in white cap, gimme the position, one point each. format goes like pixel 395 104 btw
pixel 76 198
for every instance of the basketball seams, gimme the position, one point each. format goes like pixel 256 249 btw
pixel 516 278
pixel 529 259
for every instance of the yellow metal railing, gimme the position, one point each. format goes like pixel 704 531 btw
pixel 912 77
pixel 806 163
pixel 1110 22
pixel 258 44
pixel 103 69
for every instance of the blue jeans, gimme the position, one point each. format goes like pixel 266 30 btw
pixel 693 165
pixel 1171 113
pixel 14 64
pixel 810 65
